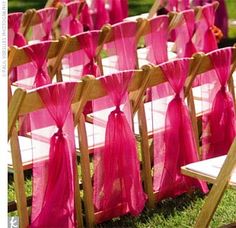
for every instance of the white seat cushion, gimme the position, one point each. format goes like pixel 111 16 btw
pixel 211 167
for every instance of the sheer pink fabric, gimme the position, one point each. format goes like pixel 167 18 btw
pixel 219 125
pixel 53 165
pixel 122 47
pixel 99 13
pixel 117 180
pixel 43 30
pixel 14 35
pixel 156 40
pixel 71 24
pixel 86 18
pixel 205 39
pixel 176 5
pixel 174 144
pixel 118 10
pixel 221 20
pixel 156 44
pixel 34 73
pixel 81 62
pixel 184 34
pixel 89 43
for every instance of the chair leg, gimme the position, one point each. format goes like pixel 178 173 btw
pixel 218 189
pixel 86 177
pixel 146 168
pixel 19 181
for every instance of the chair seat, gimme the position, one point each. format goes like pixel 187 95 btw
pixel 208 170
pixel 95 136
pixel 27 146
pixel 109 63
pixel 202 99
pixel 71 73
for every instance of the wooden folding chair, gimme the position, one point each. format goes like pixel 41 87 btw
pixel 221 171
pixel 200 100
pixel 42 25
pixel 95 90
pixel 23 103
pixel 18 23
pixel 158 29
pixel 204 16
pixel 143 125
pixel 70 12
pixel 120 48
pixel 18 57
pixel 72 69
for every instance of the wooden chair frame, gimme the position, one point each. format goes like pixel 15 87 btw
pixel 23 103
pixel 71 44
pixel 17 56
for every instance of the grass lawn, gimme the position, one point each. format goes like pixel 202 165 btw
pixel 179 212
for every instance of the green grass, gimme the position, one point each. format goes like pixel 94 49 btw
pixel 179 212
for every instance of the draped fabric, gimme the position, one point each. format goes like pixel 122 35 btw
pixel 176 5
pixel 219 124
pixel 82 61
pixel 118 10
pixel 117 181
pixel 71 24
pixel 123 47
pixel 184 34
pixel 14 35
pixel 89 43
pixel 156 44
pixel 174 143
pixel 86 18
pixel 99 13
pixel 34 73
pixel 54 173
pixel 156 40
pixel 42 31
pixel 205 39
pixel 221 19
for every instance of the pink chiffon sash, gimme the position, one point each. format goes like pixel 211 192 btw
pixel 118 10
pixel 184 34
pixel 176 5
pixel 43 30
pixel 205 39
pixel 83 61
pixel 117 178
pixel 99 13
pixel 71 24
pixel 14 35
pixel 221 20
pixel 37 69
pixel 175 146
pixel 53 177
pixel 219 125
pixel 86 18
pixel 123 46
pixel 89 42
pixel 156 40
